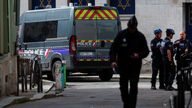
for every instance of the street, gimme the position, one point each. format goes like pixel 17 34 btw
pixel 90 92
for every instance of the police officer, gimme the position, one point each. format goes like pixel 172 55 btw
pixel 157 62
pixel 168 62
pixel 182 47
pixel 126 53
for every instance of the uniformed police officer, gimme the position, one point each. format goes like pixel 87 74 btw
pixel 182 47
pixel 168 62
pixel 157 62
pixel 126 53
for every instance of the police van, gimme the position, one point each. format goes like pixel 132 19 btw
pixel 81 36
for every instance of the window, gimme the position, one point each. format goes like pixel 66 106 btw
pixel 40 31
pixel 124 6
pixel 86 29
pixel 190 14
pixel 107 29
pixel 41 4
pixel 82 2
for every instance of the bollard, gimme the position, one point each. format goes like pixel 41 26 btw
pixel 64 74
pixel 60 77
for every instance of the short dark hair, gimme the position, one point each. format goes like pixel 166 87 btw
pixel 170 31
pixel 132 22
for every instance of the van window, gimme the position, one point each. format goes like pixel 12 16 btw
pixel 107 29
pixel 86 29
pixel 40 31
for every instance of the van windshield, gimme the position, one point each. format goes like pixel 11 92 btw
pixel 40 31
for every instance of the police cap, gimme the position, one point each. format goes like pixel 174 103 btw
pixel 157 31
pixel 170 31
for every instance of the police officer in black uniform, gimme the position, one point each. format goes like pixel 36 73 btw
pixel 157 62
pixel 126 53
pixel 182 48
pixel 167 50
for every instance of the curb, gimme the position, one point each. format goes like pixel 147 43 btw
pixel 18 100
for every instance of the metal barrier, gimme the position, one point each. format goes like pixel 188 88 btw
pixel 184 83
pixel 30 71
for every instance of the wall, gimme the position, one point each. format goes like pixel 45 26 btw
pixel 162 14
pixel 1 27
pixel 8 61
pixel 8 75
pixel 24 6
pixel 60 3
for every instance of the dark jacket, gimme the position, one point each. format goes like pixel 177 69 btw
pixel 166 44
pixel 125 44
pixel 180 47
pixel 155 48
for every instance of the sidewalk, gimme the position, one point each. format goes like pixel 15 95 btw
pixel 30 95
pixel 33 95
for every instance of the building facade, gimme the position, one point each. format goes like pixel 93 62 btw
pixel 151 14
pixel 8 59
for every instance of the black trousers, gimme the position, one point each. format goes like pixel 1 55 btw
pixel 157 66
pixel 169 73
pixel 129 79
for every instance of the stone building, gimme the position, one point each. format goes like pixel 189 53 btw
pixel 8 60
pixel 151 14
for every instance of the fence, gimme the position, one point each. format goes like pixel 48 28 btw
pixel 30 73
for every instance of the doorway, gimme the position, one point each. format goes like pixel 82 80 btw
pixel 188 20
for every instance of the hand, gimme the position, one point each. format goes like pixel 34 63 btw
pixel 186 51
pixel 113 64
pixel 171 63
pixel 135 56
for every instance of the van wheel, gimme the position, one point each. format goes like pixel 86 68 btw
pixel 56 64
pixel 106 75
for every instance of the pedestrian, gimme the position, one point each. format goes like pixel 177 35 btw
pixel 157 62
pixel 126 53
pixel 168 62
pixel 182 48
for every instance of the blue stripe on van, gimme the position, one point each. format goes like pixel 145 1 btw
pixel 63 51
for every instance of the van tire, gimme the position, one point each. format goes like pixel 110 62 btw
pixel 106 75
pixel 51 76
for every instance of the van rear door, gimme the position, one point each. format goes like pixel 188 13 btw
pixel 107 26
pixel 86 32
pixel 95 28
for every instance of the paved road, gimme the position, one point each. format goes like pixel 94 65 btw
pixel 92 93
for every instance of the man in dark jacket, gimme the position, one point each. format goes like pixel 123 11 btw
pixel 126 53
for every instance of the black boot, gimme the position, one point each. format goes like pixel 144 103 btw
pixel 153 87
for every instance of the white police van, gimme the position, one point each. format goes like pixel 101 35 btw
pixel 81 36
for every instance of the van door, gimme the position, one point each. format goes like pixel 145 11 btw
pixel 96 27
pixel 107 27
pixel 86 35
